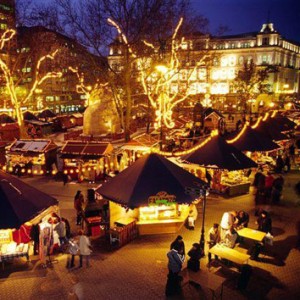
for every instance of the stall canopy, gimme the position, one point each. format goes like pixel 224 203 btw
pixel 47 113
pixel 216 153
pixel 29 116
pixel 4 119
pixel 85 149
pixel 20 202
pixel 251 140
pixel 33 147
pixel 271 130
pixel 148 176
pixel 282 123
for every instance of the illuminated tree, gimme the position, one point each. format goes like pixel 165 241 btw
pixel 19 95
pixel 86 21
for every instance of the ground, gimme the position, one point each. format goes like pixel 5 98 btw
pixel 139 269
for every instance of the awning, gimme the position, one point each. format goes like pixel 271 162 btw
pixel 86 149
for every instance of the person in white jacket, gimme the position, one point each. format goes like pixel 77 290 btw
pixel 85 248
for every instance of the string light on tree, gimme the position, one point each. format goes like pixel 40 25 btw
pixel 18 100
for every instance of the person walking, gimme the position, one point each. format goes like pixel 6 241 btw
pixel 73 251
pixel 175 261
pixel 85 248
pixel 60 228
pixel 78 205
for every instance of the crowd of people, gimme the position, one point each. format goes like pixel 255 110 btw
pixel 225 233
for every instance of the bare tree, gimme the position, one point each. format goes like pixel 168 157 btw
pixel 137 20
pixel 18 71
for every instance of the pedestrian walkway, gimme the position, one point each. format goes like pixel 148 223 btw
pixel 139 270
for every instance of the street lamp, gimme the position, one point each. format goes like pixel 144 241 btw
pixel 202 238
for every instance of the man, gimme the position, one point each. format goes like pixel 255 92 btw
pixel 85 248
pixel 213 239
pixel 78 205
pixel 60 228
pixel 242 219
pixel 230 238
pixel 175 261
pixel 228 220
pixel 264 222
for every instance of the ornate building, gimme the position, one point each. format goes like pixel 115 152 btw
pixel 225 56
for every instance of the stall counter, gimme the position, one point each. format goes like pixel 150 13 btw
pixel 171 225
pixel 238 189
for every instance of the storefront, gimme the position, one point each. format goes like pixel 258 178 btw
pixel 37 157
pixel 87 160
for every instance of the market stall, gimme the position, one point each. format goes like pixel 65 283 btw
pixel 153 191
pixel 35 157
pixel 226 165
pixel 21 208
pixel 135 148
pixel 258 147
pixel 87 160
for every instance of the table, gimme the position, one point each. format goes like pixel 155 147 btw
pixel 252 234
pixel 229 254
pixel 16 254
pixel 206 280
pixel 238 189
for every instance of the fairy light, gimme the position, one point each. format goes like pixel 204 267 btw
pixel 160 97
pixel 256 123
pixel 274 114
pixel 265 117
pixel 239 134
pixel 9 77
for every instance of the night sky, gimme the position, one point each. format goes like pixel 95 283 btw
pixel 243 16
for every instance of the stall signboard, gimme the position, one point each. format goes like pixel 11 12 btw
pixel 162 198
pixel 5 236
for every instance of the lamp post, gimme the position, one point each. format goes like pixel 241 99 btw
pixel 202 238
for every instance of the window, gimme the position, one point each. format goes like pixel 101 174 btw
pixel 265 41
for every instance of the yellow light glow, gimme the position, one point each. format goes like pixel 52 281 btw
pixel 271 104
pixel 65 171
pixel 256 123
pixel 239 134
pixel 29 171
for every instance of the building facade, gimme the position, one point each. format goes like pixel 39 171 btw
pixel 213 81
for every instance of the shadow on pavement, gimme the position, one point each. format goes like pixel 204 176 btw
pixel 19 268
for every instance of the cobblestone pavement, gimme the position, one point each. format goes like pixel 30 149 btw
pixel 139 269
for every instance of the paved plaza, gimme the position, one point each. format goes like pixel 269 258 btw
pixel 139 269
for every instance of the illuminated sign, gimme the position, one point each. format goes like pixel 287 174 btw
pixel 162 198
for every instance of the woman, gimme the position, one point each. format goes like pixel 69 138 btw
pixel 195 254
pixel 178 243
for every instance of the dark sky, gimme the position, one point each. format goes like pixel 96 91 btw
pixel 248 15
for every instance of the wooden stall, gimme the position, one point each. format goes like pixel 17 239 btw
pixel 87 160
pixel 36 157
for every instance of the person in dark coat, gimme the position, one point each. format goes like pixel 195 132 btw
pixel 35 236
pixel 178 243
pixel 195 255
pixel 279 164
pixel 175 261
pixel 277 189
pixel 242 219
pixel 264 222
